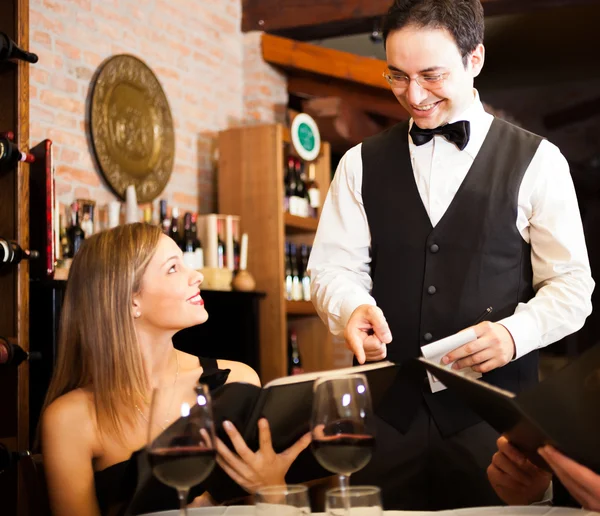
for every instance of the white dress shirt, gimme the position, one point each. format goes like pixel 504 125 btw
pixel 548 218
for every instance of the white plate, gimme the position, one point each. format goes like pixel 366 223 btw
pixel 248 510
pixel 499 511
pixel 240 510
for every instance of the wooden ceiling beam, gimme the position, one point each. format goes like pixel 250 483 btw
pixel 369 100
pixel 341 124
pixel 298 56
pixel 315 71
pixel 305 20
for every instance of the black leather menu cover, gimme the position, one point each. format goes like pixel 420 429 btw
pixel 563 410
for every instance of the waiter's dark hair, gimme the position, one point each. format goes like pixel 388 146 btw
pixel 463 19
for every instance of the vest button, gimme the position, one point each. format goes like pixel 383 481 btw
pixel 434 248
pixel 431 290
pixel 427 337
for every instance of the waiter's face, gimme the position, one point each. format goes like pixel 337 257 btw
pixel 441 86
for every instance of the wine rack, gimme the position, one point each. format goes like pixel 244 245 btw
pixel 251 175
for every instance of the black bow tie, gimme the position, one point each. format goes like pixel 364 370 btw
pixel 457 133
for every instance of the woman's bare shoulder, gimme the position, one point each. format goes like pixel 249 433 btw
pixel 71 414
pixel 240 372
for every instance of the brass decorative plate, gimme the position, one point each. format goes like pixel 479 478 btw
pixel 132 128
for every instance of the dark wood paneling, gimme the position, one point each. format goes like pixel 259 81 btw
pixel 22 214
pixel 14 224
pixel 576 113
pixel 8 226
pixel 317 19
pixel 311 19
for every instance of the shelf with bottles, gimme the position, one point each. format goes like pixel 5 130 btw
pixel 302 308
pixel 294 356
pixel 252 169
pixel 301 189
pixel 296 278
pixel 183 230
pixel 296 224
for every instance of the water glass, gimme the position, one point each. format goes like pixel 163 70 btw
pixel 354 501
pixel 284 500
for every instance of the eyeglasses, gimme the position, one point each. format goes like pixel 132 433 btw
pixel 400 81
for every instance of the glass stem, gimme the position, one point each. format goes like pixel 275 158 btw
pixel 183 494
pixel 344 480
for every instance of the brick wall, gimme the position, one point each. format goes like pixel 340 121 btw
pixel 195 48
pixel 265 88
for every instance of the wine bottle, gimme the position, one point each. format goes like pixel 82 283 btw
pixel 87 220
pixel 10 155
pixel 287 280
pixel 314 193
pixel 165 221
pixel 74 232
pixel 292 189
pixel 301 191
pixel 305 276
pixel 10 50
pixel 187 242
pixel 221 256
pixel 237 248
pixel 296 284
pixel 190 258
pixel 65 243
pixel 175 229
pixel 9 459
pixel 12 253
pixel 197 244
pixel 288 189
pixel 294 359
pixel 13 354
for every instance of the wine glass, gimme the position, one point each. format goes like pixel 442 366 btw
pixel 181 436
pixel 342 426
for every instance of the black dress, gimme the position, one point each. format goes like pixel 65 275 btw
pixel 117 484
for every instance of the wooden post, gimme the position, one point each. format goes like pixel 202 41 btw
pixel 14 224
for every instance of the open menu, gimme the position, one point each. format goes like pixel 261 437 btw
pixel 286 403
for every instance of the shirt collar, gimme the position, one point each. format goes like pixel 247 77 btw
pixel 479 120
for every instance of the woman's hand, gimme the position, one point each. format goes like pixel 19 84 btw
pixel 581 482
pixel 515 479
pixel 253 470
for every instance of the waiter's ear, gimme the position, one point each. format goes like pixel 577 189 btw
pixel 476 60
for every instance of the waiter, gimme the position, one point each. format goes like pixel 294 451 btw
pixel 425 226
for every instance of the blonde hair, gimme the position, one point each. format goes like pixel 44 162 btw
pixel 97 345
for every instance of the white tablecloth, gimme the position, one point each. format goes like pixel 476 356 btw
pixel 477 511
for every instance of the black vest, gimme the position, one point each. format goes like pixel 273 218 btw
pixel 432 282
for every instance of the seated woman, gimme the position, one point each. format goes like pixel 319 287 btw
pixel 128 293
pixel 517 481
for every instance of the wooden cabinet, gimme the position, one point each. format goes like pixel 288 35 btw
pixel 250 184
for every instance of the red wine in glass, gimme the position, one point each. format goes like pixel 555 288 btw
pixel 181 434
pixel 342 424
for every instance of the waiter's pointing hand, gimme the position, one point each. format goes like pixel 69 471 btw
pixel 367 334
